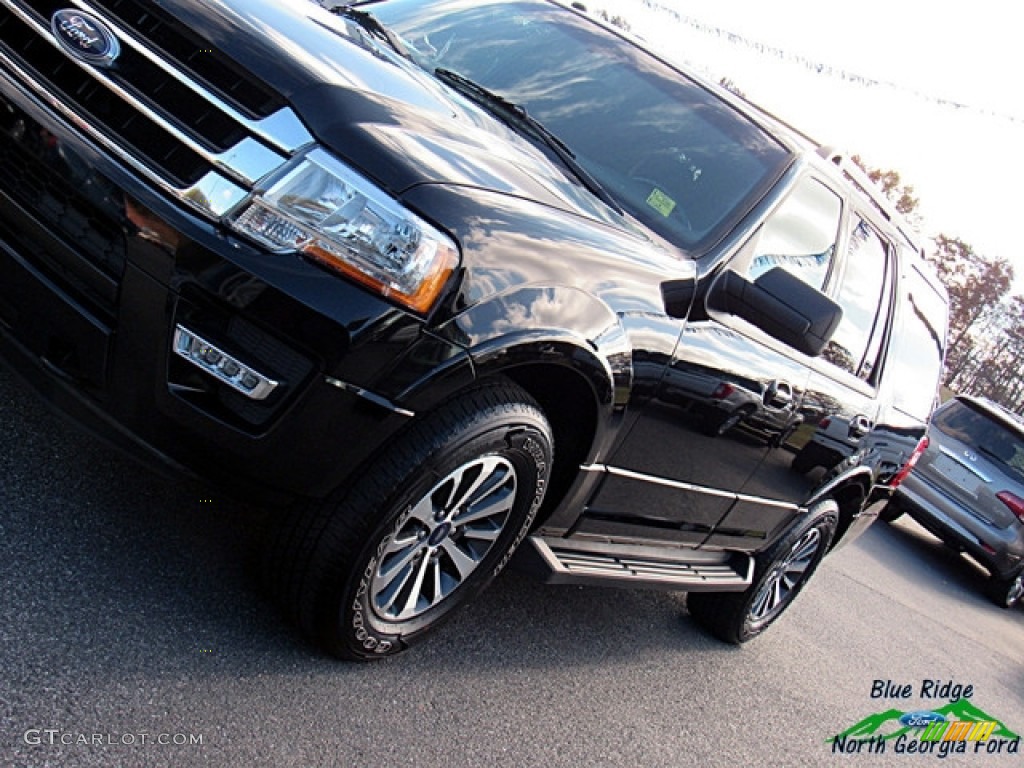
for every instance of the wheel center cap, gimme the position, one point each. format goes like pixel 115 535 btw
pixel 439 534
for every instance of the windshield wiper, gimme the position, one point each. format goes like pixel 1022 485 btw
pixel 370 23
pixel 516 116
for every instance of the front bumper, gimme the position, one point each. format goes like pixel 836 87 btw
pixel 98 270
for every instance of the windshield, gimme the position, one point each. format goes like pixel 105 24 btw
pixel 672 155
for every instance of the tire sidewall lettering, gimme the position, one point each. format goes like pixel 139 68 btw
pixel 363 629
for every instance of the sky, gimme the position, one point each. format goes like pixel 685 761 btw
pixel 928 88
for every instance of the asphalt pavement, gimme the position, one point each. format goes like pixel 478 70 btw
pixel 133 632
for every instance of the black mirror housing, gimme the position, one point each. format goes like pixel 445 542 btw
pixel 782 305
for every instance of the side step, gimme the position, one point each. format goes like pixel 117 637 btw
pixel 637 566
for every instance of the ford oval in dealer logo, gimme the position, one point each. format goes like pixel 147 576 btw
pixel 85 37
pixel 921 718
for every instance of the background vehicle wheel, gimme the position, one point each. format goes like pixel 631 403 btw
pixel 890 512
pixel 779 575
pixel 1007 591
pixel 423 531
pixel 717 427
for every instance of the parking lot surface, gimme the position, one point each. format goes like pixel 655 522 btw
pixel 133 632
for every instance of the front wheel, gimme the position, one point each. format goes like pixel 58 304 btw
pixel 424 530
pixel 779 574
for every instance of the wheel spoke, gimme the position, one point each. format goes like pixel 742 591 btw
pixel 776 595
pixel 445 536
pixel 424 510
pixel 492 473
pixel 463 563
pixel 384 597
pixel 415 592
pixel 497 502
pixel 761 601
pixel 789 581
pixel 397 557
pixel 481 533
pixel 807 546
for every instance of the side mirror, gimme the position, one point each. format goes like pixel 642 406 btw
pixel 782 305
pixel 778 395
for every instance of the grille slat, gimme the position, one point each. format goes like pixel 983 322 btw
pixel 195 124
pixel 199 56
pixel 71 206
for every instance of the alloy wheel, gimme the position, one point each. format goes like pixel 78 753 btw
pixel 443 538
pixel 780 584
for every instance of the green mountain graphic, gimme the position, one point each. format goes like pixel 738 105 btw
pixel 879 724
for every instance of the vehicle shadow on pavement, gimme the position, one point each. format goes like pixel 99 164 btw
pixel 112 569
pixel 943 562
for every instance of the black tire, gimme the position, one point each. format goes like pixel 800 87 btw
pixel 890 513
pixel 370 574
pixel 1006 591
pixel 779 574
pixel 722 425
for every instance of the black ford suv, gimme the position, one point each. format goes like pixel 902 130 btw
pixel 455 280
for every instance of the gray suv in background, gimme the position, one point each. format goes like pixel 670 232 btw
pixel 968 489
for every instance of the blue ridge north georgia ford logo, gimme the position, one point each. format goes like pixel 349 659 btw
pixel 84 36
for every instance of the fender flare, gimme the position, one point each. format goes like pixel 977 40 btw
pixel 595 343
pixel 527 327
pixel 860 476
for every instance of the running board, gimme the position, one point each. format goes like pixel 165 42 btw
pixel 636 566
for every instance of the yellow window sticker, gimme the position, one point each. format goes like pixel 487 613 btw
pixel 661 202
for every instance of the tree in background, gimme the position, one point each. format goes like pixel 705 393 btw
pixel 899 194
pixel 976 286
pixel 615 21
pixel 985 349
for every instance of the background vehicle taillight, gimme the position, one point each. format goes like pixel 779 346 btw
pixel 723 390
pixel 905 470
pixel 823 424
pixel 1014 502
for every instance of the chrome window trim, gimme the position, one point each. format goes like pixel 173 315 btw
pixel 965 464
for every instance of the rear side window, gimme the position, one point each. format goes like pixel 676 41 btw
pixel 918 347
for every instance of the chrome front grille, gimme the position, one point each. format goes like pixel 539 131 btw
pixel 172 107
pixel 197 56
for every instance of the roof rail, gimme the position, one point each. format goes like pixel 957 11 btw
pixel 870 188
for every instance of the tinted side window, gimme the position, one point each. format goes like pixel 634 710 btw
pixel 860 296
pixel 918 345
pixel 800 236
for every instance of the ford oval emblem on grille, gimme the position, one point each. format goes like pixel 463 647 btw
pixel 84 36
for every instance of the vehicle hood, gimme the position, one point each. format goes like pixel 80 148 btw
pixel 382 114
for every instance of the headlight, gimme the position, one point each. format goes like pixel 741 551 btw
pixel 325 210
